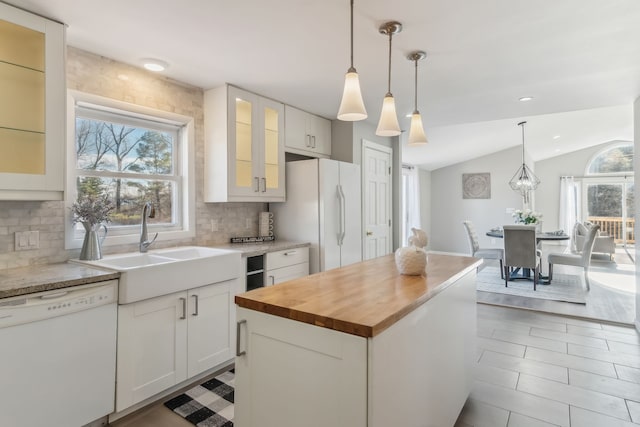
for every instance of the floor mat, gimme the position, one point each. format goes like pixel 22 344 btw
pixel 209 404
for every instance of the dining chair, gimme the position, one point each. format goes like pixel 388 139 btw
pixel 484 253
pixel 521 250
pixel 582 259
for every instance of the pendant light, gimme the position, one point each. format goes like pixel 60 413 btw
pixel 416 132
pixel 388 124
pixel 524 179
pixel 352 106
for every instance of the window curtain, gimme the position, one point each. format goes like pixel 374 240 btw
pixel 411 216
pixel 569 212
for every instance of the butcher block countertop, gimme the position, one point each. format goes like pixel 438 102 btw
pixel 360 299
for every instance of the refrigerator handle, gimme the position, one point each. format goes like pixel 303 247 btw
pixel 342 215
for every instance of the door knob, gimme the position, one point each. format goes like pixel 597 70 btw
pixel 369 233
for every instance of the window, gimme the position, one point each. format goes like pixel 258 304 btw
pixel 134 155
pixel 615 160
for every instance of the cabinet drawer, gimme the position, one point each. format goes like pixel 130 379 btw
pixel 283 274
pixel 287 257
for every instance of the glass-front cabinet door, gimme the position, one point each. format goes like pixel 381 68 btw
pixel 32 106
pixel 256 147
pixel 272 181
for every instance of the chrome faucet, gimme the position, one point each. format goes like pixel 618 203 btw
pixel 148 211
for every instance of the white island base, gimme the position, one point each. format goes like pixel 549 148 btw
pixel 417 372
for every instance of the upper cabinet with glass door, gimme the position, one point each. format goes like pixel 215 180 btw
pixel 244 147
pixel 32 106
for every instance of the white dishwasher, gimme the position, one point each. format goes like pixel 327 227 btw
pixel 57 356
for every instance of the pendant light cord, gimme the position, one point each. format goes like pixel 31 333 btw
pixel 415 97
pixel 522 125
pixel 389 79
pixel 351 69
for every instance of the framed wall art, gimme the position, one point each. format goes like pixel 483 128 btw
pixel 476 185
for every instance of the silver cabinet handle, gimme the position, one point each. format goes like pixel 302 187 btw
pixel 343 231
pixel 184 308
pixel 273 280
pixel 290 253
pixel 257 183
pixel 238 352
pixel 195 312
pixel 264 185
pixel 314 141
pixel 308 140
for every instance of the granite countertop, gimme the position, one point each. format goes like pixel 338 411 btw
pixel 253 249
pixel 360 299
pixel 38 278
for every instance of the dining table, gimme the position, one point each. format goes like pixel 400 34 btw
pixel 540 236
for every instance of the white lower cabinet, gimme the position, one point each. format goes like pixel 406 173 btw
pixel 286 265
pixel 416 373
pixel 165 340
pixel 296 374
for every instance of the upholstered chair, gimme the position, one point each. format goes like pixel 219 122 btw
pixel 484 253
pixel 520 250
pixel 583 259
pixel 602 244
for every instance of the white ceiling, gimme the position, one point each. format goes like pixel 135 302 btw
pixel 579 59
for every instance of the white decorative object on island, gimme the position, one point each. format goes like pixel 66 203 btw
pixel 412 260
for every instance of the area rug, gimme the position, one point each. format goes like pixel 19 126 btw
pixel 564 287
pixel 209 404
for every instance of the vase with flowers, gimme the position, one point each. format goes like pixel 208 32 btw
pixel 92 212
pixel 528 217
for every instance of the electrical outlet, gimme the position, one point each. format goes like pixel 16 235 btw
pixel 27 240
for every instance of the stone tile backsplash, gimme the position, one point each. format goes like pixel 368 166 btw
pixel 102 76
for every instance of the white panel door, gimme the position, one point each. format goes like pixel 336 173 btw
pixel 325 380
pixel 152 342
pixel 377 193
pixel 351 248
pixel 210 317
pixel 330 219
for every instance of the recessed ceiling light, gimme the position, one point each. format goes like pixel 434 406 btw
pixel 556 137
pixel 557 150
pixel 408 115
pixel 525 98
pixel 154 64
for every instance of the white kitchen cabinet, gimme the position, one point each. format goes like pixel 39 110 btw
pixel 324 381
pixel 165 340
pixel 416 373
pixel 306 133
pixel 286 265
pixel 32 106
pixel 244 147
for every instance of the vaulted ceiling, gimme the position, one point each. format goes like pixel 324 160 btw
pixel 578 59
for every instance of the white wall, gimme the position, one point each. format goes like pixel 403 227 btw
pixel 550 170
pixel 636 167
pixel 424 178
pixel 448 209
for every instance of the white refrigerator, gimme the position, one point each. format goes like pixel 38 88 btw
pixel 323 207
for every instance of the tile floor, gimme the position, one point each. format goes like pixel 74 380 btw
pixel 536 369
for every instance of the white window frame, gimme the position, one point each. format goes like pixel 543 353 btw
pixel 184 208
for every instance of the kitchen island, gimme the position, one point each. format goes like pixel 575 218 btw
pixel 360 345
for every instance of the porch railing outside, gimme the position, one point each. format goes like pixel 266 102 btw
pixel 613 227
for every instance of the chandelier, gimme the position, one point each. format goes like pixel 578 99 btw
pixel 524 180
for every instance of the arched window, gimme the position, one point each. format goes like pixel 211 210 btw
pixel 613 160
pixel 609 192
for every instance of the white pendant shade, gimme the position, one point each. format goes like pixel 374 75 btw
pixel 388 124
pixel 352 107
pixel 416 132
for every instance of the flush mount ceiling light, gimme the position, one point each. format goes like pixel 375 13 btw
pixel 352 107
pixel 388 124
pixel 416 132
pixel 524 179
pixel 525 98
pixel 154 64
